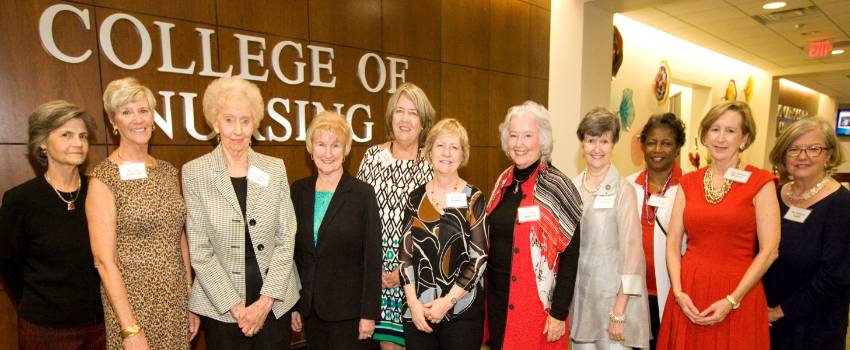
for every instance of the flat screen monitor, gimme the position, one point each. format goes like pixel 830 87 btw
pixel 842 124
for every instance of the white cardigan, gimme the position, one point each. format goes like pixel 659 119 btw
pixel 662 279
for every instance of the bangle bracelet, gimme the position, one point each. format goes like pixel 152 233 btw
pixel 731 300
pixel 130 331
pixel 615 318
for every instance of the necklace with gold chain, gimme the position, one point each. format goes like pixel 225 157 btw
pixel 715 195
pixel 71 204
pixel 438 203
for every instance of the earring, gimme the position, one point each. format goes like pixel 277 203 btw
pixel 114 131
pixel 42 152
pixel 153 127
pixel 742 147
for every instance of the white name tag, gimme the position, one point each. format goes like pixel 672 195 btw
pixel 132 171
pixel 258 176
pixel 386 158
pixel 455 200
pixel 526 214
pixel 797 214
pixel 737 175
pixel 657 201
pixel 603 202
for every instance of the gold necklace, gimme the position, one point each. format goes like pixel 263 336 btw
pixel 438 204
pixel 713 195
pixel 71 204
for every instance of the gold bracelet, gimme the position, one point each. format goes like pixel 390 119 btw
pixel 615 318
pixel 130 331
pixel 731 300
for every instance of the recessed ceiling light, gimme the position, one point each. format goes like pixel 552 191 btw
pixel 837 51
pixel 773 5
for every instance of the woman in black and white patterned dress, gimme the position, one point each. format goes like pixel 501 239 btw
pixel 394 169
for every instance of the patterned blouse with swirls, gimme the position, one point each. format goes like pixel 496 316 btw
pixel 439 251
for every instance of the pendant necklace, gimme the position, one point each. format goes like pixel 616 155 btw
pixel 71 204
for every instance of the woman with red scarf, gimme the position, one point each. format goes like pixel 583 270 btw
pixel 534 215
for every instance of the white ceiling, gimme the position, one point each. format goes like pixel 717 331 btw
pixel 778 46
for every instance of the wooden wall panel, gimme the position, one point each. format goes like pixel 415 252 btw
pixel 190 10
pixel 466 32
pixel 509 26
pixel 412 27
pixel 354 23
pixel 506 91
pixel 31 76
pixel 280 17
pixel 466 99
pixel 538 91
pixel 473 58
pixel 538 43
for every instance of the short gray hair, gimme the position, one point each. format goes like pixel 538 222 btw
pixel 541 117
pixel 50 116
pixel 597 122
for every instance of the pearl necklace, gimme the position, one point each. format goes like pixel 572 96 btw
pixel 584 184
pixel 806 195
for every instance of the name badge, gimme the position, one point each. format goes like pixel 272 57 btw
pixel 258 176
pixel 132 171
pixel 455 200
pixel 386 158
pixel 526 214
pixel 657 201
pixel 737 175
pixel 603 202
pixel 797 214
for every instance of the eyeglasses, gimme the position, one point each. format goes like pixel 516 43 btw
pixel 811 151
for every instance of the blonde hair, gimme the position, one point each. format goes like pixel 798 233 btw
pixel 797 129
pixel 451 127
pixel 123 91
pixel 423 108
pixel 50 116
pixel 229 88
pixel 332 122
pixel 748 124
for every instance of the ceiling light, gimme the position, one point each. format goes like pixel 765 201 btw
pixel 773 5
pixel 837 51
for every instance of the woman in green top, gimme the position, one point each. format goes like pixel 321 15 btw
pixel 337 244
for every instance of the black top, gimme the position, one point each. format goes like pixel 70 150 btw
pixel 811 278
pixel 439 251
pixel 45 256
pixel 501 222
pixel 240 186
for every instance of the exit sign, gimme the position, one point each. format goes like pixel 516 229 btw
pixel 819 48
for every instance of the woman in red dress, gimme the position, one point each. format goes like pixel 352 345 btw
pixel 730 213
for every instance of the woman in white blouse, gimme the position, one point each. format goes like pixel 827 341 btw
pixel 610 308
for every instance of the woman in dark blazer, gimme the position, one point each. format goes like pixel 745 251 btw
pixel 337 244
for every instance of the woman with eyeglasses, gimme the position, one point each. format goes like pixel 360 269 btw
pixel 808 287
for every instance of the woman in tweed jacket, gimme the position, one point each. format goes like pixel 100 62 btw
pixel 241 228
